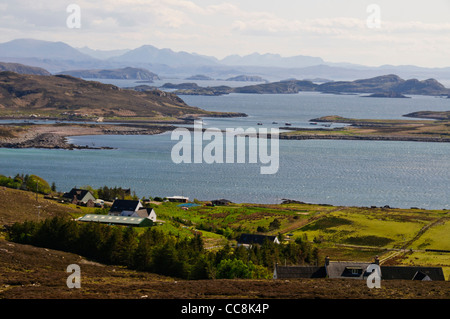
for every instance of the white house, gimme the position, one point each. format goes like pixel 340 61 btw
pixel 122 207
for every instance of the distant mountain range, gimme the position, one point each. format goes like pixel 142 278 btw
pixel 59 56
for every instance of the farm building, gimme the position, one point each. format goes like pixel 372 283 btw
pixel 251 239
pixel 79 197
pixel 117 220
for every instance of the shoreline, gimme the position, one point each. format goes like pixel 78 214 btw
pixel 54 136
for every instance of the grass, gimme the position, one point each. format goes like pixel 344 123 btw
pixel 380 128
pixel 343 233
pixel 437 237
pixel 368 227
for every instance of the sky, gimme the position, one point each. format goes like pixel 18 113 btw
pixel 373 33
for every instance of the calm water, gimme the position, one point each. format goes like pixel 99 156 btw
pixel 399 174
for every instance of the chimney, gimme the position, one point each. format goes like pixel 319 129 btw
pixel 327 261
pixel 377 261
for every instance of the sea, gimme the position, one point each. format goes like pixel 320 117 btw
pixel 334 172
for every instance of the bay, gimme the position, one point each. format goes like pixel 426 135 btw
pixel 360 173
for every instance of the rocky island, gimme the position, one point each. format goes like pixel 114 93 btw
pixel 381 86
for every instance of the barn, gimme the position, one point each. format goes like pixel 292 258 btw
pixel 117 220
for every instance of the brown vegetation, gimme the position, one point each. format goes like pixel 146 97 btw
pixel 28 272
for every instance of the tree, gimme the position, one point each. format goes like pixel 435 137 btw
pixel 127 248
pixel 275 224
pixel 35 183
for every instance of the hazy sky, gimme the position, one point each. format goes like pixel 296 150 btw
pixel 410 32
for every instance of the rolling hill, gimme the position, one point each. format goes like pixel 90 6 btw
pixel 22 69
pixel 63 95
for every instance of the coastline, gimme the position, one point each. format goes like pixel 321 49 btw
pixel 54 136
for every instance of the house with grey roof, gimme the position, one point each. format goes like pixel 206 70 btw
pixel 79 197
pixel 358 270
pixel 345 269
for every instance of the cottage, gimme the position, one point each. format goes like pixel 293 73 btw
pixel 221 202
pixel 125 207
pixel 79 197
pixel 250 239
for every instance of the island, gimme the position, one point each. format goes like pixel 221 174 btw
pixel 374 129
pixel 200 77
pixel 395 95
pixel 381 86
pixel 247 78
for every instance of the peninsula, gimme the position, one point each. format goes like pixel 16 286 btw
pixel 371 129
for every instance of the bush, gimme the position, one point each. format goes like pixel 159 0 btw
pixel 42 186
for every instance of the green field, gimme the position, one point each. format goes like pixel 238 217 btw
pixel 342 233
pixel 397 236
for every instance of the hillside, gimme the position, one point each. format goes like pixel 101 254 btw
pixel 127 73
pixel 22 69
pixel 33 272
pixel 64 96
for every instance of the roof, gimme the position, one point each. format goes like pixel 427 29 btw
pixel 78 193
pixel 116 220
pixel 284 272
pixel 120 205
pixel 347 269
pixel 254 239
pixel 226 201
pixel 411 272
pixel 144 212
